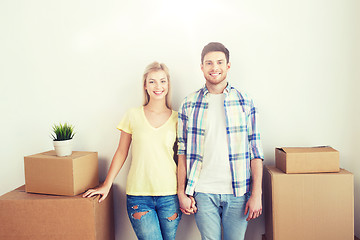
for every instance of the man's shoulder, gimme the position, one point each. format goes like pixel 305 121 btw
pixel 240 95
pixel 194 96
pixel 192 101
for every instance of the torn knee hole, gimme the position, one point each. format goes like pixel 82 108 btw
pixel 135 207
pixel 138 215
pixel 173 217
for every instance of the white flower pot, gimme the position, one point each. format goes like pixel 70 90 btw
pixel 63 148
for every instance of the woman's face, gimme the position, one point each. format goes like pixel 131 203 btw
pixel 157 85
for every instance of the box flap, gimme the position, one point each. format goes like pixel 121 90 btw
pixel 52 154
pixel 307 149
pixel 274 172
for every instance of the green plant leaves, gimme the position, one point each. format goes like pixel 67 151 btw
pixel 62 132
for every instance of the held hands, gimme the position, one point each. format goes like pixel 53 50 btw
pixel 187 204
pixel 253 206
pixel 103 191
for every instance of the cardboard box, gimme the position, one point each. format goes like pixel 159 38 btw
pixel 43 217
pixel 308 206
pixel 48 174
pixel 307 159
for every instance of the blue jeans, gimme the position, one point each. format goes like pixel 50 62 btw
pixel 154 217
pixel 215 210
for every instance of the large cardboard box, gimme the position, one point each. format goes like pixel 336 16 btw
pixel 49 174
pixel 43 217
pixel 307 159
pixel 308 206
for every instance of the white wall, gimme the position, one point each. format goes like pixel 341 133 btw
pixel 81 61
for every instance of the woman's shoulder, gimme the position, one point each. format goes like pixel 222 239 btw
pixel 132 114
pixel 135 110
pixel 174 115
pixel 174 112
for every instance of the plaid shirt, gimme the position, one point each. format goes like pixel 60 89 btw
pixel 242 133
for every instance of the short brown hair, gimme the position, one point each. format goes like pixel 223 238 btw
pixel 215 47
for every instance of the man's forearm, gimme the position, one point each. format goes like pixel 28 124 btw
pixel 256 166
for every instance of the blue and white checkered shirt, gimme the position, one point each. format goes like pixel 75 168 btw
pixel 242 132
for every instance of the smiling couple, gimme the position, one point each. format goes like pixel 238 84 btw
pixel 219 173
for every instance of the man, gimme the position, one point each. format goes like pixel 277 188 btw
pixel 220 154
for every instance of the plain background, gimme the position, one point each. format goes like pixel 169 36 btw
pixel 82 62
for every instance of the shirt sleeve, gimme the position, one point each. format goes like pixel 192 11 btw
pixel 256 150
pixel 181 131
pixel 125 123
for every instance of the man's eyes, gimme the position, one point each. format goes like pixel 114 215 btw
pixel 219 63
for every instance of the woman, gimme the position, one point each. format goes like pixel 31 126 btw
pixel 151 188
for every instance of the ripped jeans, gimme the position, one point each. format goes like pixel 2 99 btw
pixel 154 217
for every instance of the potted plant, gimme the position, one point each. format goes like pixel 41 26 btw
pixel 63 135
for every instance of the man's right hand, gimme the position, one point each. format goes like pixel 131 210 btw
pixel 187 204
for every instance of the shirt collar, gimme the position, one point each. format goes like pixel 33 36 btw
pixel 227 90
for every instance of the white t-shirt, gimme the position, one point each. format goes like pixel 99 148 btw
pixel 215 176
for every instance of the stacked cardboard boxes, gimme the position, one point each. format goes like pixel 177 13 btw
pixel 315 201
pixel 49 205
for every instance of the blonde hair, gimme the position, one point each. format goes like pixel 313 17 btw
pixel 154 67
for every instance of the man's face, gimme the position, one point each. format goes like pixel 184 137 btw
pixel 215 67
